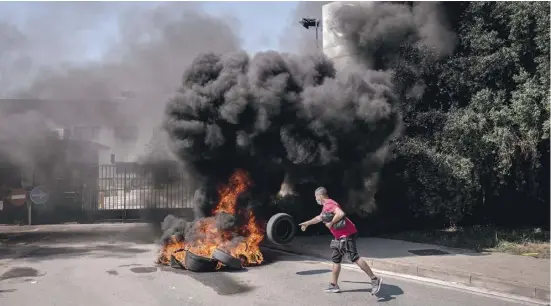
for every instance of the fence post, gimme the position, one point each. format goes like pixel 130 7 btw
pixel 29 212
pixel 124 189
pixel 124 193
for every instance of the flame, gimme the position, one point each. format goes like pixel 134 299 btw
pixel 210 238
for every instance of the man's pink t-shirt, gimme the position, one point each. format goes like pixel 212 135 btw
pixel 349 227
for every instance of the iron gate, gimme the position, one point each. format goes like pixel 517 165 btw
pixel 128 186
pixel 123 191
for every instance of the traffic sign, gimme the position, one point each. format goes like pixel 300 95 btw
pixel 39 195
pixel 18 197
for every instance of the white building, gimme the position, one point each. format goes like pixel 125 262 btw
pixel 334 43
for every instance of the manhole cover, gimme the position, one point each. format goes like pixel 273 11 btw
pixel 428 252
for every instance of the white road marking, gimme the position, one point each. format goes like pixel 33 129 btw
pixel 455 285
pixel 435 282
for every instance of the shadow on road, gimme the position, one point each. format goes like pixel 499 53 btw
pixel 219 281
pixel 313 272
pixel 387 293
pixel 231 271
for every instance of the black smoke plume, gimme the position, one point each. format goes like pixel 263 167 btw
pixel 299 117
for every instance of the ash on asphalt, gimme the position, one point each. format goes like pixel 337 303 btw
pixel 112 272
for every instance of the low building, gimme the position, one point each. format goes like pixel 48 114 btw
pixel 59 144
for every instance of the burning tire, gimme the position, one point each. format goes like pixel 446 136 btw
pixel 281 228
pixel 175 263
pixel 227 259
pixel 198 263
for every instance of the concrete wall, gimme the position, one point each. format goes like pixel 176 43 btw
pixel 334 41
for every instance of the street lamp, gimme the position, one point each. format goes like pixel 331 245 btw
pixel 311 22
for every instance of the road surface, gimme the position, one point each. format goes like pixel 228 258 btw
pixel 107 265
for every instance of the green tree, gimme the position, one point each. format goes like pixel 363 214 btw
pixel 484 117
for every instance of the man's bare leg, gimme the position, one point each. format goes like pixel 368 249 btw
pixel 365 267
pixel 333 287
pixel 376 282
pixel 335 275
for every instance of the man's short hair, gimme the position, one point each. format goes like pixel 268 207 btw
pixel 321 191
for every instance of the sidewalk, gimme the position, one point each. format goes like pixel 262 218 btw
pixel 512 274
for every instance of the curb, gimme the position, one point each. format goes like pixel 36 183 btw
pixel 457 277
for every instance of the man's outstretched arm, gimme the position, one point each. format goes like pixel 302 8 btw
pixel 315 220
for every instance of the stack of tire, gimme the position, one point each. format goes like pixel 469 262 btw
pixel 280 229
pixel 198 263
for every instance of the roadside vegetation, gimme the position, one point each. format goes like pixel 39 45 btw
pixel 475 147
pixel 527 242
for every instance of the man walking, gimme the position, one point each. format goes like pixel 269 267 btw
pixel 345 234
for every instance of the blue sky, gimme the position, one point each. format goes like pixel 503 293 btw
pixel 262 31
pixel 261 23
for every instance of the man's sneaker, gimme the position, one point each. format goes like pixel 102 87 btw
pixel 332 289
pixel 376 284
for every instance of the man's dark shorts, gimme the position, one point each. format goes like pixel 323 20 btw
pixel 344 246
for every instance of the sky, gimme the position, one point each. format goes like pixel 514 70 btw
pixel 261 23
pixel 266 27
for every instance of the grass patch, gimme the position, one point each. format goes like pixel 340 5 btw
pixel 528 242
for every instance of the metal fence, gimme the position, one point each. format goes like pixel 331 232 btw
pixel 91 192
pixel 131 186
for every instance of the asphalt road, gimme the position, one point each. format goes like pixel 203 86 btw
pixel 114 265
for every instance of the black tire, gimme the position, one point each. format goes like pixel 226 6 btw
pixel 281 228
pixel 227 259
pixel 327 217
pixel 198 263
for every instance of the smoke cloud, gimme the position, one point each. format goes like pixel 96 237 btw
pixel 125 85
pixel 294 117
pixel 301 118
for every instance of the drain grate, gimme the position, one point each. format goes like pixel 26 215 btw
pixel 428 252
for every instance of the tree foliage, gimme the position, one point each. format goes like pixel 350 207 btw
pixel 481 128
